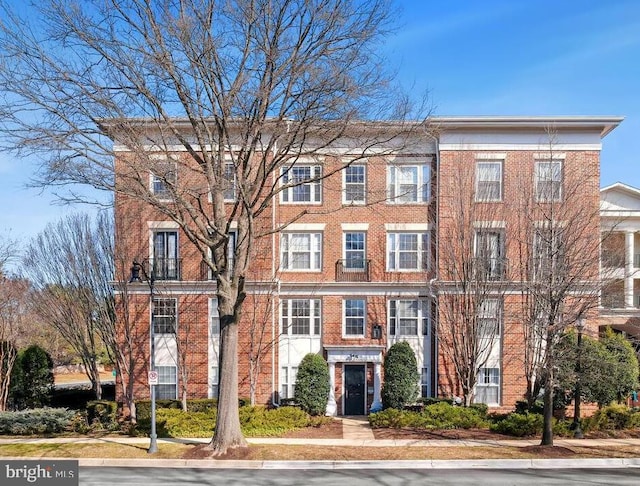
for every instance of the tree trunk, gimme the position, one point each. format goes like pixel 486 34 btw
pixel 547 427
pixel 227 433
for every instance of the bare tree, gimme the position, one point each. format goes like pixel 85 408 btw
pixel 13 305
pixel 559 243
pixel 70 265
pixel 473 276
pixel 233 94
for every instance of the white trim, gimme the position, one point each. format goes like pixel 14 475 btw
pixel 355 226
pixel 489 224
pixel 491 156
pixel 518 147
pixel 550 155
pixel 344 319
pixel 156 225
pixel 303 227
pixel 408 226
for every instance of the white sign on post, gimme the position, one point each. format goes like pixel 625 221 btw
pixel 153 377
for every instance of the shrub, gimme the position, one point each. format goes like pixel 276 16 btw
pixel 391 418
pixel 519 424
pixel 444 416
pixel 613 417
pixel 401 376
pixel 33 378
pixel 103 414
pixel 312 384
pixel 36 421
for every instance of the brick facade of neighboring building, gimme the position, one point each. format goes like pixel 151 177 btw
pixel 372 271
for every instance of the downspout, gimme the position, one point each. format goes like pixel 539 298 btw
pixel 436 226
pixel 274 388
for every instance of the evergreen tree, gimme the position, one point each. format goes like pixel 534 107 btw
pixel 401 377
pixel 32 378
pixel 312 384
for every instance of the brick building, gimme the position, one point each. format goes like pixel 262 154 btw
pixel 369 264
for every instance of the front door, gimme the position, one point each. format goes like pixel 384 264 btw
pixel 354 389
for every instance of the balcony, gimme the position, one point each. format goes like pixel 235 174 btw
pixel 164 268
pixel 491 269
pixel 353 271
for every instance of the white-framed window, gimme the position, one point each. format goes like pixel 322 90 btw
pixel 408 183
pixel 164 177
pixel 215 381
pixel 488 386
pixel 354 317
pixel 355 251
pixel 301 251
pixel 300 317
pixel 230 182
pixel 409 317
pixel 490 253
pixel 548 251
pixel 489 319
pixel 424 382
pixel 214 316
pixel 164 315
pixel 300 191
pixel 165 255
pixel 167 387
pixel 548 180
pixel 355 184
pixel 288 375
pixel 407 251
pixel 489 180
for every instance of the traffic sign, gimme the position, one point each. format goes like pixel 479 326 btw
pixel 153 377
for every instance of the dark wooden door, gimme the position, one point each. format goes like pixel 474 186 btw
pixel 354 389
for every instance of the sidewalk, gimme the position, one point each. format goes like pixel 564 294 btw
pixel 356 433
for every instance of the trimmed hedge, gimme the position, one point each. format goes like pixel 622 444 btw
pixel 37 421
pixel 519 424
pixel 437 416
pixel 103 414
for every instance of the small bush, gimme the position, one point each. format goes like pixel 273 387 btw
pixel 437 416
pixel 103 414
pixel 37 421
pixel 432 400
pixel 312 384
pixel 481 408
pixel 519 424
pixel 391 418
pixel 613 417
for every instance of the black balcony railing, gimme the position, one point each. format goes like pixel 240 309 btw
pixel 164 268
pixel 493 269
pixel 353 271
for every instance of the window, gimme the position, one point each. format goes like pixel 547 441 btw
pixel 301 251
pixel 407 317
pixel 407 251
pixel 299 190
pixel 288 375
pixel 490 251
pixel 548 252
pixel 214 316
pixel 165 255
pixel 355 184
pixel 215 382
pixel 167 387
pixel 354 251
pixel 488 386
pixel 164 315
pixel 489 319
pixel 424 383
pixel 163 179
pixel 354 317
pixel 548 181
pixel 408 183
pixel 489 181
pixel 300 317
pixel 230 182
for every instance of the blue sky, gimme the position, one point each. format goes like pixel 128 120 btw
pixel 490 57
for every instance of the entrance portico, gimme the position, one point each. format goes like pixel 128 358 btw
pixel 355 390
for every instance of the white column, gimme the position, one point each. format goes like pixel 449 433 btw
pixel 332 407
pixel 629 270
pixel 376 406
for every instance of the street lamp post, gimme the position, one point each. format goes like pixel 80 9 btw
pixel 136 269
pixel 577 429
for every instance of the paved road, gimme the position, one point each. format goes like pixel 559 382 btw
pixel 99 476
